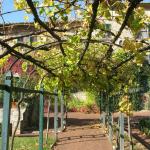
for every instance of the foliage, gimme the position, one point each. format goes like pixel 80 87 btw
pixel 144 76
pixel 135 98
pixel 58 11
pixel 1 92
pixel 3 60
pixel 147 105
pixel 144 126
pixel 1 96
pixel 101 101
pixel 75 47
pixel 90 100
pixel 76 104
pixel 125 106
pixel 21 81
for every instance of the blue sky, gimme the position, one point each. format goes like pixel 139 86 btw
pixel 17 16
pixel 7 6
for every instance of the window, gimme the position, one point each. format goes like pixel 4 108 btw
pixel 144 33
pixel 30 39
pixel 20 40
pixel 107 28
pixel 148 58
pixel 33 39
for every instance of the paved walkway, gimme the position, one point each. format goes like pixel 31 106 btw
pixel 83 133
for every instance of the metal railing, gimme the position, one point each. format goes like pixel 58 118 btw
pixel 8 88
pixel 106 119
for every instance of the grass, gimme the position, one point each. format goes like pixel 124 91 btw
pixel 30 143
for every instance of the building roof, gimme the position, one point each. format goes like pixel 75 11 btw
pixel 145 5
pixel 16 28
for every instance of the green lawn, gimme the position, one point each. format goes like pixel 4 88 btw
pixel 29 143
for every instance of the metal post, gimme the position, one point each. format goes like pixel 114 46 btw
pixel 102 114
pixel 110 127
pixel 48 117
pixel 104 119
pixel 66 111
pixel 41 116
pixel 6 112
pixel 109 118
pixel 121 130
pixel 100 106
pixel 117 136
pixel 129 134
pixel 56 114
pixel 62 110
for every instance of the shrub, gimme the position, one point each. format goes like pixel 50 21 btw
pixel 75 104
pixel 144 126
pixel 90 101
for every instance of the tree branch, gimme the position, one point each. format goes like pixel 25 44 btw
pixel 132 6
pixel 26 57
pixel 92 24
pixel 131 57
pixel 54 35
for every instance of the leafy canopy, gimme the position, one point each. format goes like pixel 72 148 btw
pixel 77 48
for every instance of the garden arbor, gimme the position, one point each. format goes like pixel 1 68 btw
pixel 77 47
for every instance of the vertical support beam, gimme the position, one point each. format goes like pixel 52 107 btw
pixel 66 111
pixel 110 127
pixel 104 119
pixel 103 113
pixel 6 112
pixel 109 118
pixel 129 134
pixel 107 110
pixel 41 116
pixel 48 115
pixel 117 136
pixel 56 114
pixel 62 110
pixel 121 130
pixel 100 105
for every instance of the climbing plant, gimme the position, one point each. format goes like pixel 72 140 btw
pixel 76 46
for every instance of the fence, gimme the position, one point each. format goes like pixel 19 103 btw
pixel 8 88
pixel 106 118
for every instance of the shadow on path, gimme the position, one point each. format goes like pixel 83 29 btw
pixel 81 122
pixel 83 133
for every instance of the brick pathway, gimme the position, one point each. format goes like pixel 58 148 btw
pixel 83 133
